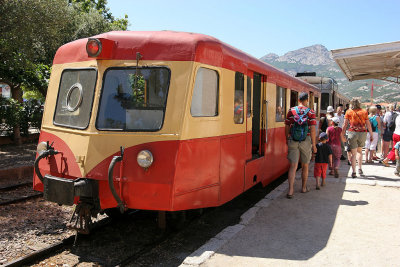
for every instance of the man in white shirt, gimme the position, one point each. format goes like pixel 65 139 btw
pixel 340 115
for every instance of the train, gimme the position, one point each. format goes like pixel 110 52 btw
pixel 330 95
pixel 165 121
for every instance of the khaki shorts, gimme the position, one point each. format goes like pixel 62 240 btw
pixel 301 149
pixel 356 139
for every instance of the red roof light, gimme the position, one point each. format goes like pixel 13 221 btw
pixel 93 47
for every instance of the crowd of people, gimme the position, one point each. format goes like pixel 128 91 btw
pixel 341 136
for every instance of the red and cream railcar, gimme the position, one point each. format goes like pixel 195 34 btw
pixel 199 122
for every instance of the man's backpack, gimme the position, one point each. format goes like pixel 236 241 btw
pixel 299 129
pixel 373 125
pixel 392 123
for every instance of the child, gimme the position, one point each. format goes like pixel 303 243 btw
pixel 322 158
pixel 334 135
pixel 396 152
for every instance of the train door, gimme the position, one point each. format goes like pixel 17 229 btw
pixel 257 112
pixel 249 118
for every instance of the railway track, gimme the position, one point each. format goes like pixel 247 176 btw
pixel 17 193
pixel 51 250
pixel 136 239
pixel 69 244
pixel 43 253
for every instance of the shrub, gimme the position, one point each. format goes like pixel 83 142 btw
pixel 26 115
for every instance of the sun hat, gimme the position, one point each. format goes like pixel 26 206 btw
pixel 336 120
pixel 323 136
pixel 330 109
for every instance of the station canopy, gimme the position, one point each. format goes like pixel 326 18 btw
pixel 379 61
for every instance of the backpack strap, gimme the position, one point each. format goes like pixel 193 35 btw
pixel 302 115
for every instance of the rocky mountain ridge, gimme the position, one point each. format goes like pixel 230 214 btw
pixel 317 58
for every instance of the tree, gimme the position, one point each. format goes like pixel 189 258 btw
pixel 32 30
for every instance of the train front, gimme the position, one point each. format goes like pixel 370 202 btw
pixel 107 141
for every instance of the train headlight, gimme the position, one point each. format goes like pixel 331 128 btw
pixel 145 159
pixel 41 147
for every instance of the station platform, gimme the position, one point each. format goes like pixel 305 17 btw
pixel 349 222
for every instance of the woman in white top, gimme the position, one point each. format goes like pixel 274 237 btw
pixel 387 134
pixel 396 138
pixel 370 143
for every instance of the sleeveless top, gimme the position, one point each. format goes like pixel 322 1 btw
pixel 334 135
pixel 374 123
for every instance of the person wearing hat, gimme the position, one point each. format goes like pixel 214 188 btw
pixel 334 140
pixel 357 120
pixel 323 157
pixel 300 135
pixel 325 121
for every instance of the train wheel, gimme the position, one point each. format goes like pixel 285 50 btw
pixel 177 220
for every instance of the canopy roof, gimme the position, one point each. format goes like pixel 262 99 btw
pixel 380 61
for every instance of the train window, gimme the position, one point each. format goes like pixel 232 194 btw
pixel 324 101
pixel 248 97
pixel 205 94
pixel 316 106
pixel 133 99
pixel 75 98
pixel 280 103
pixel 239 98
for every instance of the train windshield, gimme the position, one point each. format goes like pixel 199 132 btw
pixel 324 101
pixel 75 98
pixel 133 99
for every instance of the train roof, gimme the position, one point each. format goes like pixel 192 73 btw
pixel 178 46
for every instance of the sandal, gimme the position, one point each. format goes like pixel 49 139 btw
pixel 354 175
pixel 289 196
pixel 307 190
pixel 385 163
pixel 317 187
pixel 360 172
pixel 336 174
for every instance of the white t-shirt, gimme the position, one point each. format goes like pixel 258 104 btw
pixel 388 116
pixel 397 130
pixel 341 119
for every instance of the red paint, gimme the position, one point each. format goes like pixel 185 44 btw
pixel 232 166
pixel 61 165
pixel 177 46
pixel 186 174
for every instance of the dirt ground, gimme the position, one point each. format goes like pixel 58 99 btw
pixel 12 156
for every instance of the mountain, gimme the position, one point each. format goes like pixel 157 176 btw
pixel 317 58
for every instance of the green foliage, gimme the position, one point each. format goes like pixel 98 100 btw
pixel 32 31
pixel 138 85
pixel 33 95
pixel 13 113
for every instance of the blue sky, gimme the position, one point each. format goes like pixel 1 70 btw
pixel 260 27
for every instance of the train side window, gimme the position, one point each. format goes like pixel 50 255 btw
pixel 280 103
pixel 293 98
pixel 316 106
pixel 205 94
pixel 248 97
pixel 239 97
pixel 324 101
